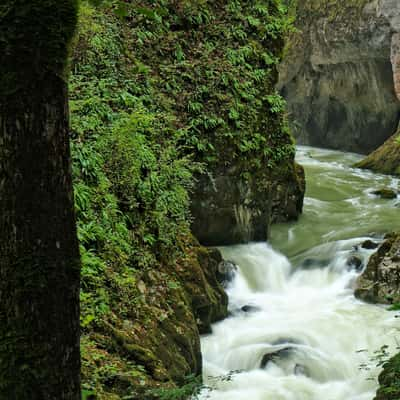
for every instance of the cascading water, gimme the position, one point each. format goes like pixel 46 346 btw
pixel 296 331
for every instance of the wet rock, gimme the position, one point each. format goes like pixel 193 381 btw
pixel 209 299
pixel 354 262
pixel 385 193
pixel 286 341
pixel 314 263
pixel 229 208
pixel 301 370
pixel 380 282
pixel 250 309
pixel 226 271
pixel 369 245
pixel 275 355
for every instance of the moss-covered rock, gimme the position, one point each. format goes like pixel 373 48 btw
pixel 380 282
pixel 217 77
pixel 389 380
pixel 385 193
pixel 155 341
pixel 385 159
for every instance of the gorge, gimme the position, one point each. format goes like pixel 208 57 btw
pixel 180 140
pixel 296 331
pixel 340 74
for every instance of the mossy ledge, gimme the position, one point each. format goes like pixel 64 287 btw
pixel 385 159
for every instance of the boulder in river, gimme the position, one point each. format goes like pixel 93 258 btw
pixel 275 355
pixel 385 193
pixel 354 262
pixel 380 282
pixel 369 245
pixel 249 308
pixel 314 263
pixel 301 370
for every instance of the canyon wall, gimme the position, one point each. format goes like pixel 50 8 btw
pixel 341 73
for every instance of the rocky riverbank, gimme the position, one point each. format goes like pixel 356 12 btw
pixel 380 283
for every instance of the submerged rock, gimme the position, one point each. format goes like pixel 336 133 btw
pixel 301 370
pixel 226 271
pixel 385 193
pixel 380 282
pixel 354 262
pixel 275 355
pixel 314 263
pixel 369 245
pixel 249 308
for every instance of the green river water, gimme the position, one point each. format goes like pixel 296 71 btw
pixel 306 336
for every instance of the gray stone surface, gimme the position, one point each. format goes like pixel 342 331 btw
pixel 339 75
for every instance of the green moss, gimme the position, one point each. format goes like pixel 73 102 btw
pixel 389 380
pixel 386 159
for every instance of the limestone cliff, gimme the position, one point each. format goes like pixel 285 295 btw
pixel 340 71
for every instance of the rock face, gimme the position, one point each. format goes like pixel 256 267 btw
pixel 232 209
pixel 181 301
pixel 380 282
pixel 385 159
pixel 340 72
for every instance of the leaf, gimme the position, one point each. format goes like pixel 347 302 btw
pixel 142 287
pixel 146 12
pixel 122 10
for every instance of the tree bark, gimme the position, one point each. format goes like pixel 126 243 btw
pixel 39 253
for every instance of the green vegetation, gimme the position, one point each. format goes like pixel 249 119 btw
pixel 389 380
pixel 161 91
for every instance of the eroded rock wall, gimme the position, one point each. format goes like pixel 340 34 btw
pixel 340 73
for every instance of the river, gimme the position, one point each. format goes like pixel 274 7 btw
pixel 303 334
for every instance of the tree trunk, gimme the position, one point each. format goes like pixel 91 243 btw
pixel 39 254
